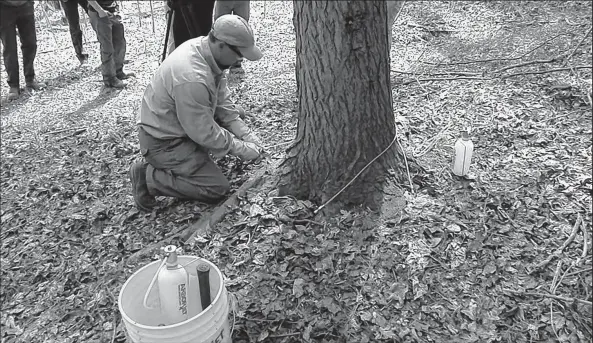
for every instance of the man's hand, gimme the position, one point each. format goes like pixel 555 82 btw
pixel 245 150
pixel 252 138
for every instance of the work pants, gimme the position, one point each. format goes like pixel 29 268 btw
pixel 23 19
pixel 192 18
pixel 71 12
pixel 182 169
pixel 110 33
pixel 240 8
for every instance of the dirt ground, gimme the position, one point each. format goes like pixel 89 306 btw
pixel 504 256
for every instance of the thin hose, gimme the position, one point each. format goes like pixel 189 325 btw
pixel 152 284
pixel 157 274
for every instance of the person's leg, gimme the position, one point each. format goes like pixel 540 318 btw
pixel 222 7
pixel 103 28
pixel 119 47
pixel 242 9
pixel 202 14
pixel 71 12
pixel 9 44
pixel 180 168
pixel 180 30
pixel 25 23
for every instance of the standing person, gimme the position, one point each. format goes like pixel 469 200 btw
pixel 240 8
pixel 19 15
pixel 191 19
pixel 186 115
pixel 71 11
pixel 107 24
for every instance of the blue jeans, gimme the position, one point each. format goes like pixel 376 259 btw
pixel 71 12
pixel 110 33
pixel 23 19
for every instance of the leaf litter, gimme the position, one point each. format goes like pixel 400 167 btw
pixel 452 260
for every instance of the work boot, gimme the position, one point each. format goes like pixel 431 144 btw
pixel 13 93
pixel 124 76
pixel 35 85
pixel 142 197
pixel 114 82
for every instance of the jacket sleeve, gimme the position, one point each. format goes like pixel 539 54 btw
pixel 194 111
pixel 228 114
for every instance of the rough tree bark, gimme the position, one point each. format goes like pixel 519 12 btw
pixel 345 114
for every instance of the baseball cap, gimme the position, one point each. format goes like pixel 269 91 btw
pixel 234 30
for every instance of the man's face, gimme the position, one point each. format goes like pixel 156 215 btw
pixel 229 55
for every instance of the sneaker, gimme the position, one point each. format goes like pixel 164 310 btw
pixel 142 197
pixel 35 85
pixel 83 58
pixel 13 93
pixel 124 76
pixel 114 83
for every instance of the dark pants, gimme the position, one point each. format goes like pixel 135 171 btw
pixel 110 33
pixel 193 18
pixel 182 169
pixel 23 19
pixel 71 12
pixel 240 8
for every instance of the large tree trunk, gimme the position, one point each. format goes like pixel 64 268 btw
pixel 344 93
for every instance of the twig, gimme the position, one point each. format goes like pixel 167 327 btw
pixel 581 42
pixel 443 79
pixel 276 145
pixel 583 256
pixel 114 329
pixel 407 167
pixel 432 142
pixel 51 29
pixel 561 249
pixel 546 71
pixel 448 73
pixel 77 132
pixel 355 176
pixel 139 14
pixel 152 17
pixel 285 335
pixel 64 130
pixel 552 296
pixel 579 271
pixel 498 58
pixel 553 59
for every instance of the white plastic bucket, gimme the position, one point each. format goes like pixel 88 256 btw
pixel 142 324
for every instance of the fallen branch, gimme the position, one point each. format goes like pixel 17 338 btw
pixel 205 223
pixel 546 71
pixel 552 296
pixel 449 73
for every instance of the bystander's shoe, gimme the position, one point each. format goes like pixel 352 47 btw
pixel 124 76
pixel 35 85
pixel 13 93
pixel 142 197
pixel 83 58
pixel 114 83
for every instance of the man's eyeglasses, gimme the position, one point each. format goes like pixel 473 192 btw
pixel 235 50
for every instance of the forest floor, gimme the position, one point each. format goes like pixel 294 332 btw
pixel 502 257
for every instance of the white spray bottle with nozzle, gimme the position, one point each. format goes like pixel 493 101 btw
pixel 464 149
pixel 173 287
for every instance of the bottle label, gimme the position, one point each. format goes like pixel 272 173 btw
pixel 182 298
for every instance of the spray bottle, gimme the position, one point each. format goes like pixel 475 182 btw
pixel 173 288
pixel 464 149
